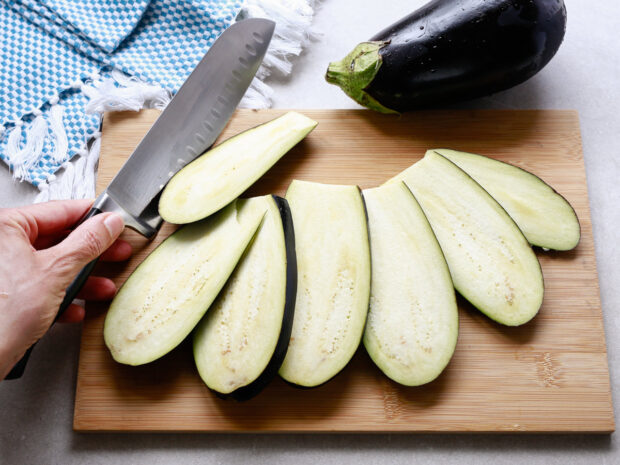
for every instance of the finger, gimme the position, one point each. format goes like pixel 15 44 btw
pixel 51 217
pixel 73 314
pixel 83 245
pixel 97 288
pixel 119 251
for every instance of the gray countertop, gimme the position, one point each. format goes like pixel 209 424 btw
pixel 36 414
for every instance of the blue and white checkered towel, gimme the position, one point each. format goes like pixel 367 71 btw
pixel 55 54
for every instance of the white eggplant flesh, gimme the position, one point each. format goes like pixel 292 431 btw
pixel 546 218
pixel 333 286
pixel 491 263
pixel 170 291
pixel 412 324
pixel 220 175
pixel 241 342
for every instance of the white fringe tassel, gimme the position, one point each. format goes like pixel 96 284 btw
pixel 57 127
pixel 132 95
pixel 24 158
pixel 293 32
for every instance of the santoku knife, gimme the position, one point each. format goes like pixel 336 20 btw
pixel 188 126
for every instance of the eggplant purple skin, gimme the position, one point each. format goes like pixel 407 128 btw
pixel 271 370
pixel 454 50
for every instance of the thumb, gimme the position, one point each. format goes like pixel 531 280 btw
pixel 85 243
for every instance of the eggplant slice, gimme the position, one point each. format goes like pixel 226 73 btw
pixel 213 180
pixel 546 218
pixel 170 291
pixel 412 324
pixel 241 342
pixel 333 287
pixel 491 263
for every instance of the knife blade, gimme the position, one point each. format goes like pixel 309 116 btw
pixel 191 122
pixel 188 126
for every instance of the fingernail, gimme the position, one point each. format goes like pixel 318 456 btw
pixel 114 224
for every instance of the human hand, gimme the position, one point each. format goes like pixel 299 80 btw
pixel 40 257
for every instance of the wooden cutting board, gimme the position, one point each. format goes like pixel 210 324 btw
pixel 549 375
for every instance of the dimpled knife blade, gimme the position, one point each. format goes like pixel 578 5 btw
pixel 195 116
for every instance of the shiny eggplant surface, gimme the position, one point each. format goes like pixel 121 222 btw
pixel 452 50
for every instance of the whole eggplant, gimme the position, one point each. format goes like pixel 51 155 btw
pixel 452 50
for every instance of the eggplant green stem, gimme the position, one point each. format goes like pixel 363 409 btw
pixel 355 72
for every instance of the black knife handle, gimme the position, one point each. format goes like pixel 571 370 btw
pixel 70 294
pixel 18 369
